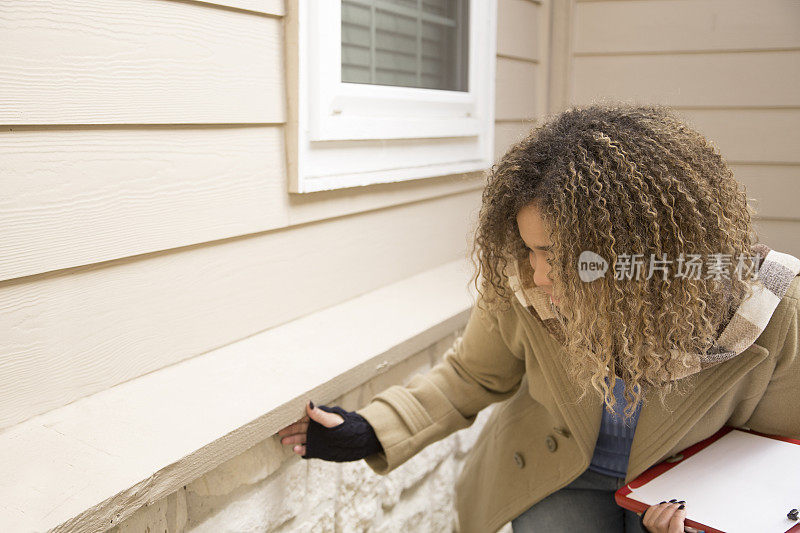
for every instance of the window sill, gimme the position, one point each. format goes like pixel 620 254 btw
pixel 92 463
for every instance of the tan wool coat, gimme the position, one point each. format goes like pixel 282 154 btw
pixel 540 438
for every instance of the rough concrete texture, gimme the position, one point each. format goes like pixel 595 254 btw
pixel 269 489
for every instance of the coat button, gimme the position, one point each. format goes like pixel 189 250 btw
pixel 562 431
pixel 519 459
pixel 551 443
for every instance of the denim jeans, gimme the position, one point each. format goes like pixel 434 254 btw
pixel 584 506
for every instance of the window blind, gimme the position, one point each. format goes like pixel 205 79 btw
pixel 407 43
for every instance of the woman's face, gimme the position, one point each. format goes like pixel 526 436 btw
pixel 534 235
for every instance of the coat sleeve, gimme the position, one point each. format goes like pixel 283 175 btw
pixel 778 410
pixel 477 370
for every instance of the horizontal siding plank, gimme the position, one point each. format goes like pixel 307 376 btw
pixel 518 29
pixel 507 133
pixel 686 25
pixel 138 62
pixel 70 334
pixel 268 7
pixel 518 91
pixel 81 196
pixel 750 135
pixel 720 79
pixel 78 196
pixel 775 189
pixel 782 235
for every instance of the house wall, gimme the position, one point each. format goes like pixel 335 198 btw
pixel 145 217
pixel 728 67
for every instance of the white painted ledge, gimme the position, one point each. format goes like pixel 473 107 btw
pixel 90 464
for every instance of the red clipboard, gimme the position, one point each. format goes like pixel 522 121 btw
pixel 622 499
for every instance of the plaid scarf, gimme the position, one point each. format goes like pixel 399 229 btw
pixel 775 271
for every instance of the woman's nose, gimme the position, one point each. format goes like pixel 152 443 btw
pixel 540 277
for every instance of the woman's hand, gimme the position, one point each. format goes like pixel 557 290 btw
pixel 296 433
pixel 666 517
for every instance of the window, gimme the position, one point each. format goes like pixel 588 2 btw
pixel 389 90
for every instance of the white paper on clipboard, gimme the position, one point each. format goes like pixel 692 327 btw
pixel 740 483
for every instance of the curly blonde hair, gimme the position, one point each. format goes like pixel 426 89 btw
pixel 618 178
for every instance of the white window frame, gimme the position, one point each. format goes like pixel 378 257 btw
pixel 351 134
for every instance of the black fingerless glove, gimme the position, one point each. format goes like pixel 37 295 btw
pixel 351 440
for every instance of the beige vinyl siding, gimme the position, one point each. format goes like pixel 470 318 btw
pixel 507 133
pixel 145 217
pixel 517 97
pixel 781 234
pixel 642 26
pixel 69 334
pixel 80 195
pixel 521 79
pixel 730 68
pixel 520 24
pixel 718 79
pixel 139 62
pixel 267 7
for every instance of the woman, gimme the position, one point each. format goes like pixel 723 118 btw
pixel 608 359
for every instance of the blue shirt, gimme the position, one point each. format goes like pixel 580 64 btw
pixel 615 438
